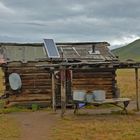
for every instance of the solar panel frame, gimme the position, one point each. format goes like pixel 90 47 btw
pixel 51 48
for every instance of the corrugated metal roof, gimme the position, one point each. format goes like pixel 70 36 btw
pixel 35 51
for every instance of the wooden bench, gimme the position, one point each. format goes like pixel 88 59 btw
pixel 113 101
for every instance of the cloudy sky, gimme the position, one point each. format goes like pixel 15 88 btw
pixel 115 21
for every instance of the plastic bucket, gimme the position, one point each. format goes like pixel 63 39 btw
pixel 99 95
pixel 89 98
pixel 79 95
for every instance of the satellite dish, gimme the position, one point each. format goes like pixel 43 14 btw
pixel 15 81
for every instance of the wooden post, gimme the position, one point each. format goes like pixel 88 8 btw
pixel 53 93
pixel 137 88
pixel 63 90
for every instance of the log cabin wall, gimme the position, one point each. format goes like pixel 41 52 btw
pixel 36 83
pixel 88 80
pixel 95 79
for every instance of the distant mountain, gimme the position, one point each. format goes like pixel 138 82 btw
pixel 130 51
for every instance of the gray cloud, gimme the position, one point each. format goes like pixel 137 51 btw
pixel 75 20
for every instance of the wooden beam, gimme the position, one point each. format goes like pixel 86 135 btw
pixel 53 93
pixel 63 90
pixel 137 89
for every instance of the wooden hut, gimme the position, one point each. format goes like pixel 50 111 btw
pixel 89 68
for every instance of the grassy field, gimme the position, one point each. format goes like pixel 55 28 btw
pixel 126 83
pixel 98 127
pixel 8 128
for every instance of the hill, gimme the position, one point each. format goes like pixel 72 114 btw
pixel 130 51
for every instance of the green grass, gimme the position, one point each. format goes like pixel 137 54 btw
pixel 12 109
pixel 100 127
pixel 130 51
pixel 126 83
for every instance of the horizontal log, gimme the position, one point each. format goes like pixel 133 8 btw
pixel 35 95
pixel 29 64
pixel 26 71
pixel 36 80
pixel 39 77
pixel 34 74
pixel 32 87
pixel 33 77
pixel 25 68
pixel 89 75
pixel 25 92
pixel 93 79
pixel 87 88
pixel 92 72
pixel 93 84
pixel 43 92
pixel 33 83
pixel 109 97
pixel 28 104
pixel 95 70
pixel 37 84
pixel 29 98
pixel 107 90
pixel 36 91
pixel 37 87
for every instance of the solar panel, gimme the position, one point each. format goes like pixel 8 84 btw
pixel 51 48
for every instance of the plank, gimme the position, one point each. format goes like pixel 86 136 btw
pixel 63 90
pixel 53 93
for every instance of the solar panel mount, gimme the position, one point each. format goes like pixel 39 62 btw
pixel 51 48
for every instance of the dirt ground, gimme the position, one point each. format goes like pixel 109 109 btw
pixel 38 125
pixel 35 125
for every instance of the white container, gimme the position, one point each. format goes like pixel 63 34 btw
pixel 99 95
pixel 79 95
pixel 89 98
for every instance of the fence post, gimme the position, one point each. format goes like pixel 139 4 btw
pixel 137 88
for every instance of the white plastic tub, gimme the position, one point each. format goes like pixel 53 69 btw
pixel 99 95
pixel 79 95
pixel 89 98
